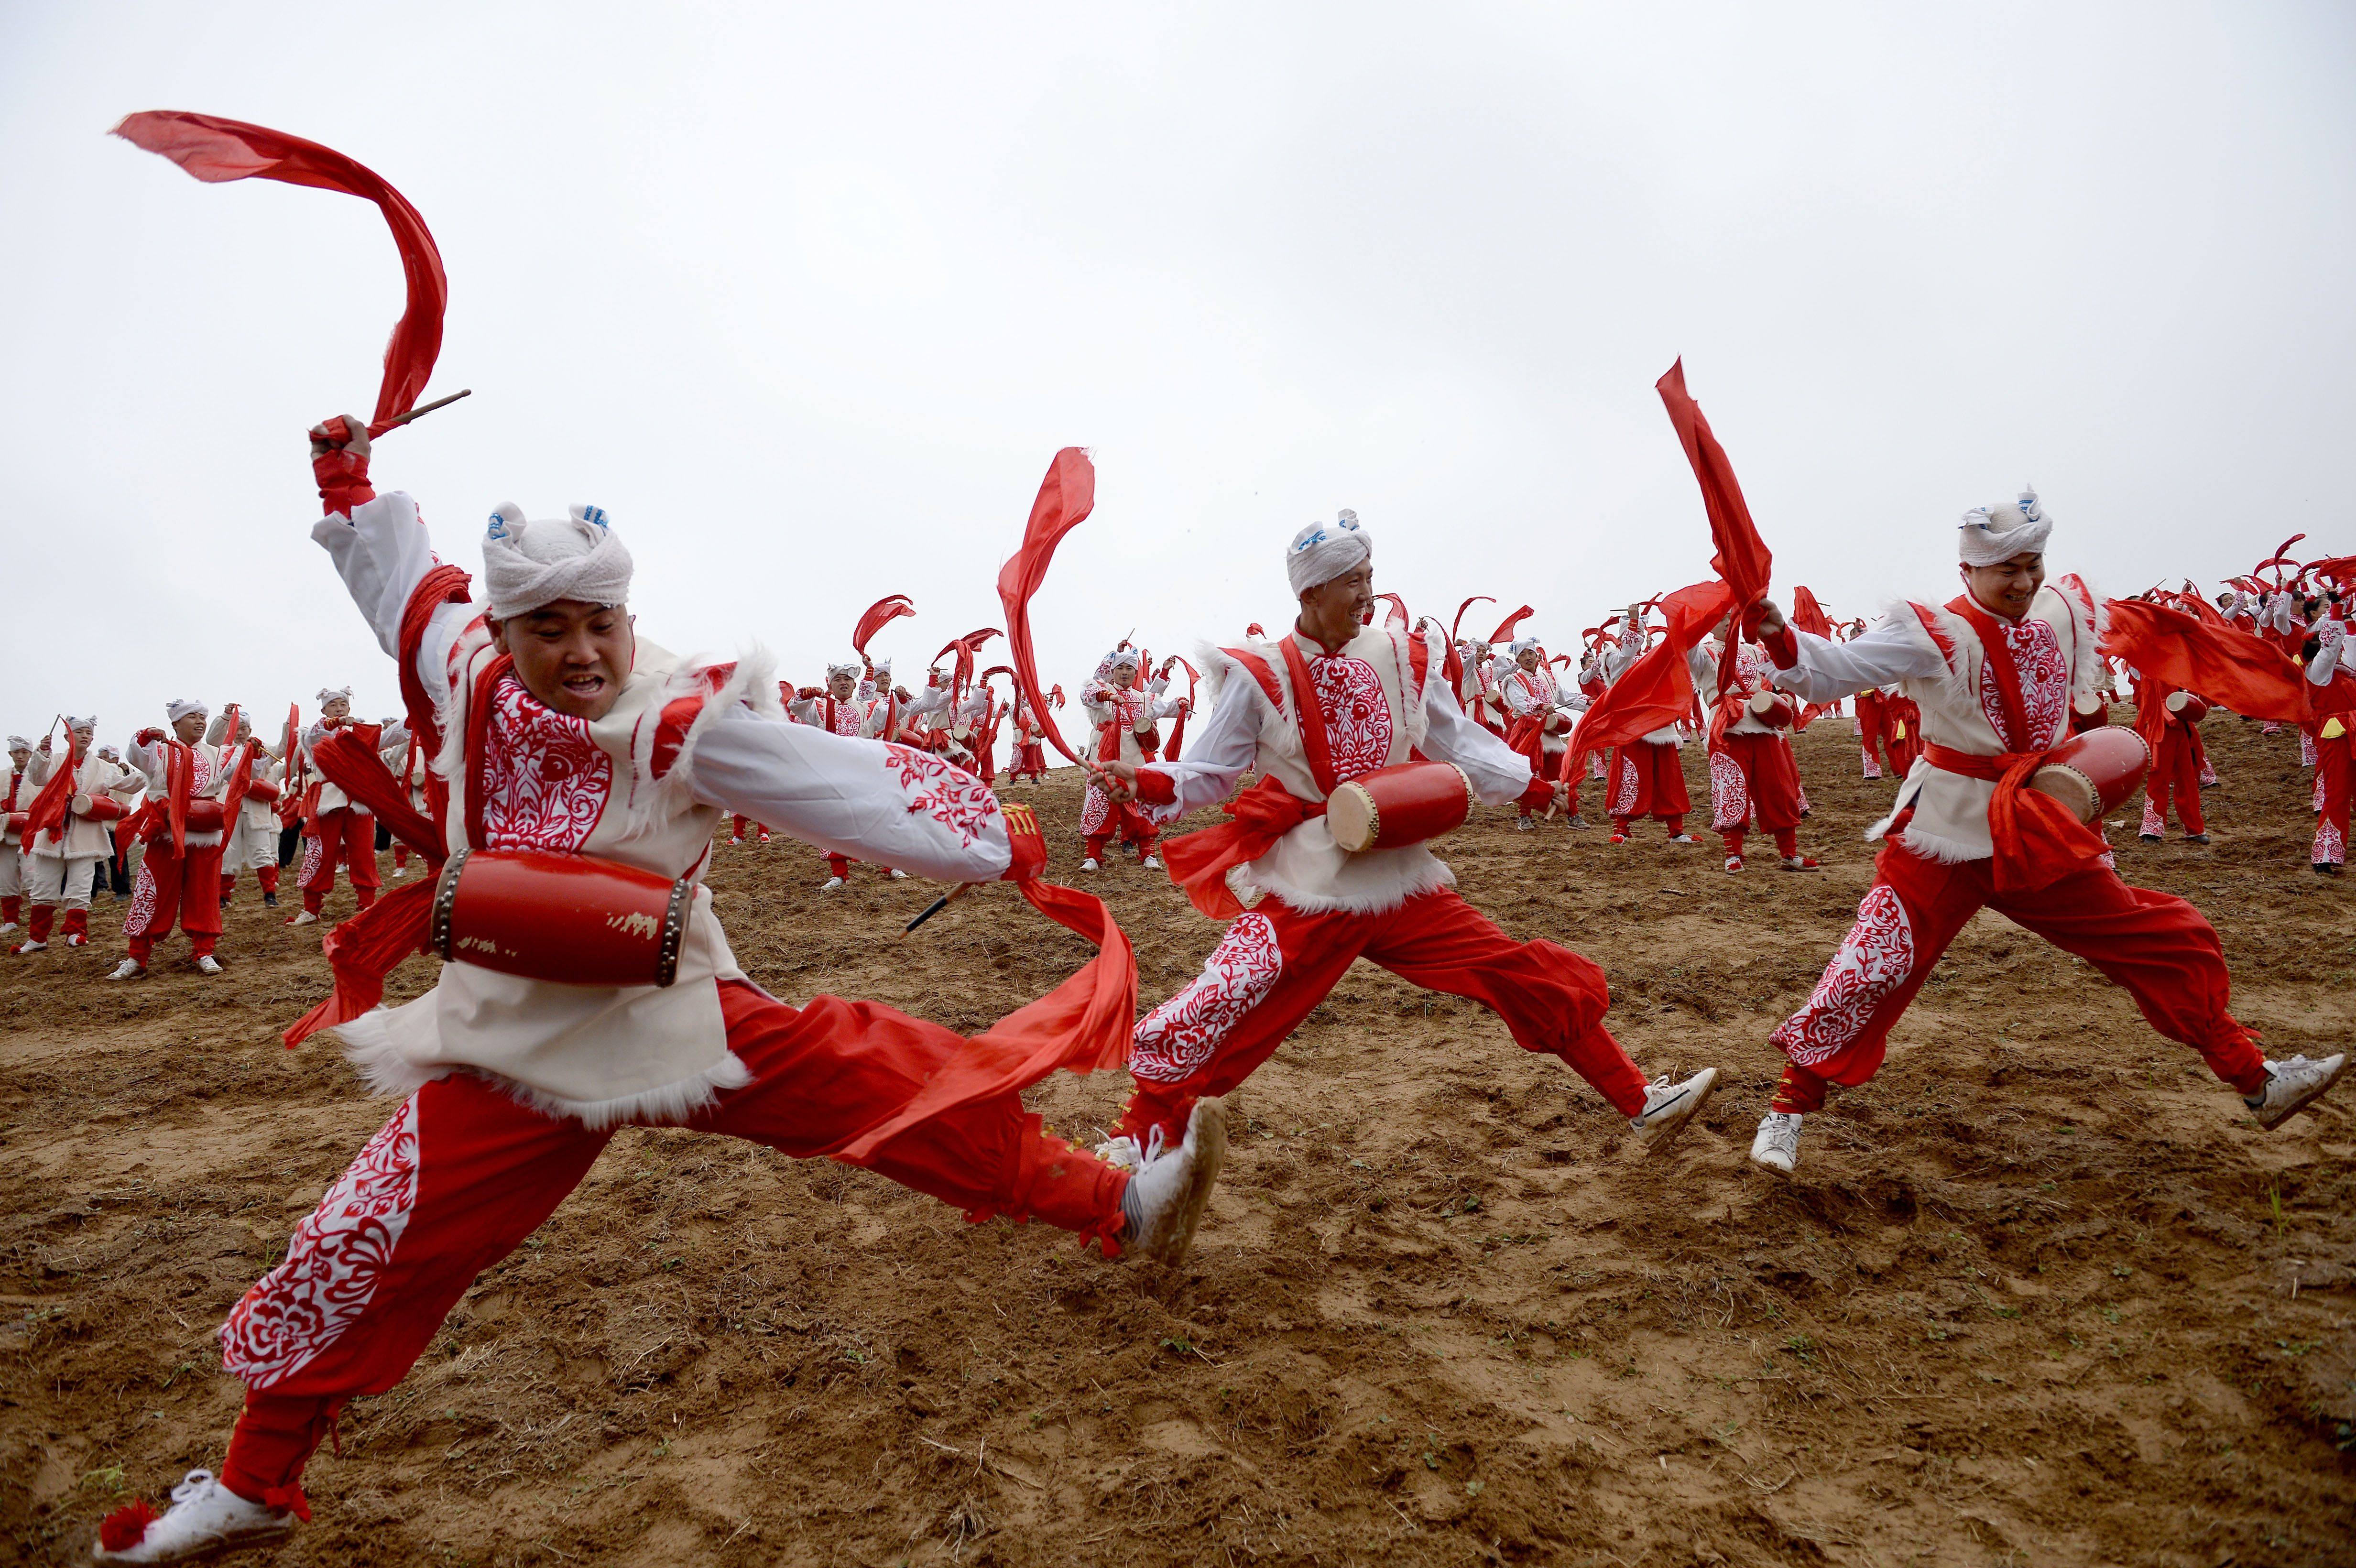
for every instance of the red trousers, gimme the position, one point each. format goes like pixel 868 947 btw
pixel 267 876
pixel 1030 757
pixel 1754 775
pixel 2175 771
pixel 1649 780
pixel 1873 732
pixel 742 824
pixel 186 888
pixel 463 1173
pixel 342 837
pixel 2156 945
pixel 1275 964
pixel 1101 818
pixel 2332 770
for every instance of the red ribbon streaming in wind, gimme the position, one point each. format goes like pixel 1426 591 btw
pixel 1742 561
pixel 1657 689
pixel 48 807
pixel 1504 631
pixel 2218 660
pixel 214 150
pixel 1809 616
pixel 1067 496
pixel 878 614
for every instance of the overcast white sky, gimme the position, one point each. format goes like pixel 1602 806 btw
pixel 807 298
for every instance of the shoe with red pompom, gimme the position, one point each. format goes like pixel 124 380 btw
pixel 205 1517
pixel 1802 863
pixel 1734 862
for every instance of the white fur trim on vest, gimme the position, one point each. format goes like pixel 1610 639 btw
pixel 655 801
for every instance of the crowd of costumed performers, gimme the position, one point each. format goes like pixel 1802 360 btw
pixel 561 785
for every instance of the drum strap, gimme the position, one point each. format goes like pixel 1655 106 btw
pixel 1999 655
pixel 1311 715
pixel 478 729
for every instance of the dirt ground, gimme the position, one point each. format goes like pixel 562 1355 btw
pixel 2040 1294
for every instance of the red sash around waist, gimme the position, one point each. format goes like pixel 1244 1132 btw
pixel 2038 840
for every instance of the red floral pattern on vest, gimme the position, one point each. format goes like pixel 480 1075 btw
pixel 545 780
pixel 2044 685
pixel 1357 714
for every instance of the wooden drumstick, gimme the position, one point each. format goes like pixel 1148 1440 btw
pixel 419 413
pixel 937 905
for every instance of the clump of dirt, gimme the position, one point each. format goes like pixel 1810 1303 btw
pixel 2041 1292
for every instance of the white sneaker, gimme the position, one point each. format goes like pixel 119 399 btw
pixel 208 965
pixel 1153 862
pixel 1090 864
pixel 399 872
pixel 129 970
pixel 30 947
pixel 304 917
pixel 734 839
pixel 831 885
pixel 205 1516
pixel 1777 1147
pixel 2292 1084
pixel 1683 838
pixel 897 875
pixel 1166 1193
pixel 8 928
pixel 1524 824
pixel 1669 1106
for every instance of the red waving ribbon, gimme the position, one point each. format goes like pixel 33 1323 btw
pixel 1742 561
pixel 881 611
pixel 1066 499
pixel 214 150
pixel 1657 689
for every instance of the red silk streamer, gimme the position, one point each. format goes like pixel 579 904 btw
pixel 2280 558
pixel 1504 631
pixel 878 614
pixel 1083 1025
pixel 1742 560
pixel 1067 496
pixel 1178 729
pixel 362 950
pixel 2340 568
pixel 2221 662
pixel 1399 615
pixel 47 809
pixel 1657 689
pixel 214 150
pixel 1809 616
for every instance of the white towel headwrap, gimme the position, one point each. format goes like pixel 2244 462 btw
pixel 18 743
pixel 1323 552
pixel 74 723
pixel 528 564
pixel 180 708
pixel 1991 534
pixel 330 693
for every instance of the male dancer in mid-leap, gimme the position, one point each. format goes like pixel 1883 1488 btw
pixel 1995 670
pixel 1334 700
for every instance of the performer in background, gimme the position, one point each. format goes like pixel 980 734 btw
pixel 2326 652
pixel 342 833
pixel 1648 775
pixel 15 798
pixel 1332 702
pixel 1541 716
pixel 514 1086
pixel 836 708
pixel 252 839
pixel 1752 769
pixel 1993 671
pixel 180 876
pixel 1122 716
pixel 60 859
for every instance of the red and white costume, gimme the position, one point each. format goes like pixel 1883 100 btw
pixel 1030 743
pixel 1648 776
pixel 178 881
pixel 2175 775
pixel 59 860
pixel 1476 689
pixel 1993 692
pixel 1121 720
pixel 338 832
pixel 514 1086
pixel 14 795
pixel 1752 771
pixel 408 762
pixel 1307 718
pixel 252 843
pixel 2330 668
pixel 1540 716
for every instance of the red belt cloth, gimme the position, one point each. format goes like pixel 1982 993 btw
pixel 1200 861
pixel 2038 839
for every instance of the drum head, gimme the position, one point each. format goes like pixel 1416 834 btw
pixel 2071 787
pixel 1351 817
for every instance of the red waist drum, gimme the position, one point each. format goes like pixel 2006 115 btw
pixel 203 816
pixel 2187 707
pixel 575 919
pixel 2093 773
pixel 1770 709
pixel 1393 807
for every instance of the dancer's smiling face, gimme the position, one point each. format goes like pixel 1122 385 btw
pixel 571 654
pixel 2007 587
